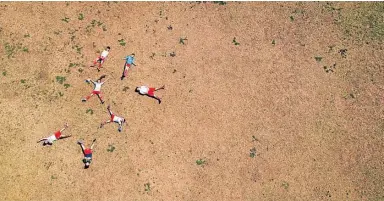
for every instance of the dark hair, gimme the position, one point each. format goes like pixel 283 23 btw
pixel 136 89
pixel 108 47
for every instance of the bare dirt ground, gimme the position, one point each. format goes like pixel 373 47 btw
pixel 263 101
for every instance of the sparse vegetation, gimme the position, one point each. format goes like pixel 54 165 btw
pixel 81 16
pixel 318 59
pixel 181 41
pixel 22 81
pixel 90 111
pixel 66 86
pixel 10 50
pixel 65 19
pixel 60 79
pixel 111 148
pixel 235 42
pixel 57 32
pixel 292 18
pixel 61 94
pixel 125 89
pixel 330 68
pixel 27 36
pixel 252 153
pixel 78 49
pixel 220 2
pixel 80 70
pixel 363 24
pixel 343 53
pixel 25 49
pixel 4 73
pixel 200 162
pixel 73 64
pixel 153 54
pixel 122 42
pixel 285 185
pixel 273 42
pixel 147 187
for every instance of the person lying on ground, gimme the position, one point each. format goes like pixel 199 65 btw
pixel 114 118
pixel 149 91
pixel 55 136
pixel 87 153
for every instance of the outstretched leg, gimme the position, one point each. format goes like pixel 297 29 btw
pixel 105 122
pixel 125 71
pixel 101 61
pixel 65 126
pixel 87 97
pixel 42 139
pixel 101 98
pixel 111 119
pixel 158 98
pixel 160 88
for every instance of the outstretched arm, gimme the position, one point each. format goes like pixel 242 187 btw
pixel 81 145
pixel 65 126
pixel 42 139
pixel 93 143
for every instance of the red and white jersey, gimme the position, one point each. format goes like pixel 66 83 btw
pixel 143 90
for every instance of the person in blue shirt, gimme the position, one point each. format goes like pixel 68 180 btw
pixel 129 60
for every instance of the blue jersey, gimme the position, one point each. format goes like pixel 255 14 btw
pixel 129 59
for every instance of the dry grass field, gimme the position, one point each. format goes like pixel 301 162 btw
pixel 263 101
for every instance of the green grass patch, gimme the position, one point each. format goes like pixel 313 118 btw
pixel 363 23
pixel 81 16
pixel 181 41
pixel 66 85
pixel 122 42
pixel 60 79
pixel 4 73
pixel 22 81
pixel 111 148
pixel 25 49
pixel 200 162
